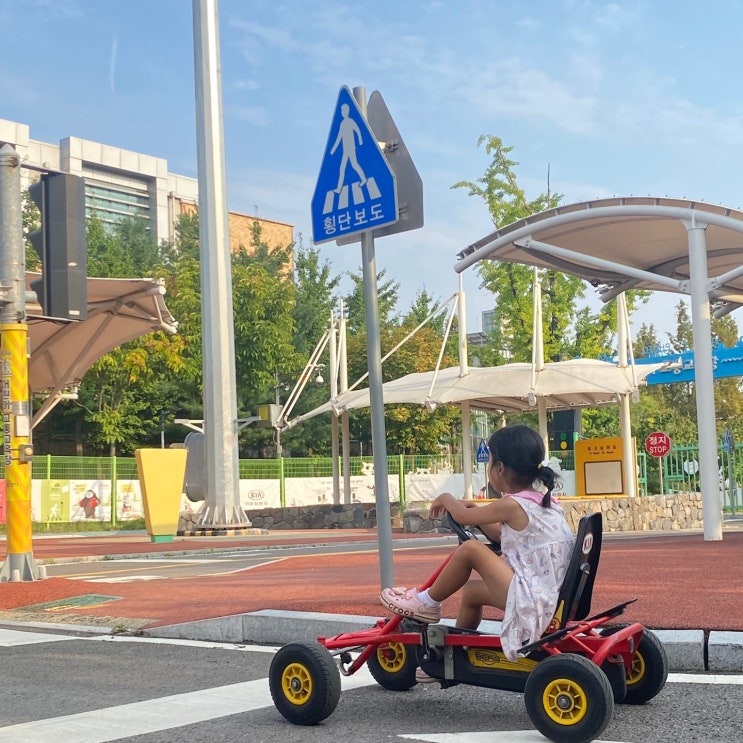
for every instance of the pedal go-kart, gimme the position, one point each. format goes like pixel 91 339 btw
pixel 571 677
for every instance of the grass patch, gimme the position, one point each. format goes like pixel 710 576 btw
pixel 73 527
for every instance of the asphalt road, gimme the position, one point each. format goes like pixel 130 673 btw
pixel 217 563
pixel 98 688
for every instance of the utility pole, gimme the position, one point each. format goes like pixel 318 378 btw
pixel 222 505
pixel 17 450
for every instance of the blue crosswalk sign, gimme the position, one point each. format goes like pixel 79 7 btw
pixel 356 189
pixel 483 453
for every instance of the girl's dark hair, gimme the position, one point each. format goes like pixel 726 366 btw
pixel 521 448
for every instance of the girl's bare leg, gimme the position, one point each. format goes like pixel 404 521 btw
pixel 473 555
pixel 475 595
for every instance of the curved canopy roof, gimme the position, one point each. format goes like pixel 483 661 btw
pixel 511 388
pixel 119 310
pixel 625 243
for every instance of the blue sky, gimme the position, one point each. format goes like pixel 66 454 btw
pixel 618 98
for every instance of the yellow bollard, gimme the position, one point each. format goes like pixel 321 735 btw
pixel 161 476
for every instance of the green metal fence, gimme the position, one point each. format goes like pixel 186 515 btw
pixel 676 472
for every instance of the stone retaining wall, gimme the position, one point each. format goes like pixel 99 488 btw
pixel 351 516
pixel 647 513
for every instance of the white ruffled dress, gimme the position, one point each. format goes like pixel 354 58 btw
pixel 539 557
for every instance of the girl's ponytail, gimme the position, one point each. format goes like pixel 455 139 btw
pixel 546 475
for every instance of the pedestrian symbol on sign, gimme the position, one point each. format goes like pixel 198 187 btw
pixel 356 189
pixel 483 453
pixel 348 132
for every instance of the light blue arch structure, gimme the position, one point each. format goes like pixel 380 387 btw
pixel 660 244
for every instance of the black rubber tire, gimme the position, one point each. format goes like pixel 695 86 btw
pixel 569 699
pixel 617 678
pixel 305 683
pixel 393 666
pixel 649 671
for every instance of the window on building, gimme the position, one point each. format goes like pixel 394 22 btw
pixel 114 202
pixel 488 322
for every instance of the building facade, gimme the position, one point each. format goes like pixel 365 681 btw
pixel 120 183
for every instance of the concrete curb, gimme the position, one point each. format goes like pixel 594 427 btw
pixel 687 650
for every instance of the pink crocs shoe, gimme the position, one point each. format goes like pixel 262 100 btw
pixel 406 602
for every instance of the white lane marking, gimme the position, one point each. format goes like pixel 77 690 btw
pixel 123 578
pixel 103 576
pixel 701 678
pixel 12 638
pixel 504 736
pixel 190 643
pixel 155 715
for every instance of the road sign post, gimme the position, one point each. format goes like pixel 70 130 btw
pixel 658 445
pixel 355 193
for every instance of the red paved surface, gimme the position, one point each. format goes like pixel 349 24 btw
pixel 680 581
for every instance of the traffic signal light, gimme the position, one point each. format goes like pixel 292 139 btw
pixel 563 431
pixel 60 243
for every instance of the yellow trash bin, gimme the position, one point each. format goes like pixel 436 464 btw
pixel 161 476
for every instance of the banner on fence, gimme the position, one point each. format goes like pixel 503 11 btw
pixel 308 491
pixel 260 494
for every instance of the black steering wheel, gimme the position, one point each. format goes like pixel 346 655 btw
pixel 465 534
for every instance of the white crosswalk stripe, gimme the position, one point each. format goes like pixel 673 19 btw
pixel 357 193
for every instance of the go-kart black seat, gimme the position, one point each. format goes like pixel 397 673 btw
pixel 574 601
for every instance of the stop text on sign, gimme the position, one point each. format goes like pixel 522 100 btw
pixel 658 444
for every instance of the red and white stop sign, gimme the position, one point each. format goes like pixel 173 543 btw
pixel 658 444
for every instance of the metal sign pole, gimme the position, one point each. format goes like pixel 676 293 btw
pixel 376 397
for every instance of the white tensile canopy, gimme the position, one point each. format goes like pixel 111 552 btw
pixel 119 310
pixel 561 385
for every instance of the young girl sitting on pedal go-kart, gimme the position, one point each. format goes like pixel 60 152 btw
pixel 535 538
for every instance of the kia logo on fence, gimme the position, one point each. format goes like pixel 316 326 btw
pixel 256 495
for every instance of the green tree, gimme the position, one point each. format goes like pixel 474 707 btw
pixel 387 296
pixel 728 395
pixel 567 331
pixel 314 299
pixel 423 305
pixel 409 428
pixel 127 249
pixel 121 396
pixel 31 221
pixel 314 303
pixel 512 284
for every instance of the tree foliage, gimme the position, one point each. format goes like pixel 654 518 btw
pixel 567 330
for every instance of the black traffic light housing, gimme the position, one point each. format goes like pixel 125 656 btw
pixel 61 245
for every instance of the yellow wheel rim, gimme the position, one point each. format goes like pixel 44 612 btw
pixel 637 670
pixel 565 702
pixel 392 656
pixel 296 683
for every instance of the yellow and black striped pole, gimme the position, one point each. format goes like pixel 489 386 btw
pixel 17 452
